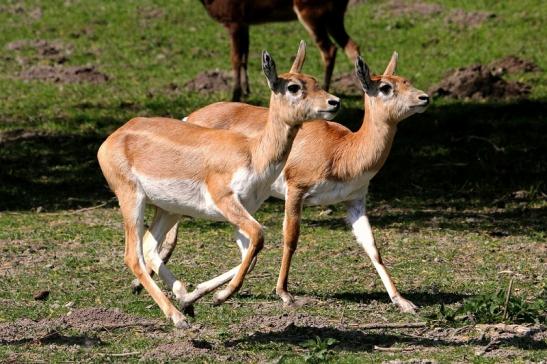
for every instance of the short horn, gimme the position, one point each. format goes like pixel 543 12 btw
pixel 299 59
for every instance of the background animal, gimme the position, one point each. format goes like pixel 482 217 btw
pixel 321 18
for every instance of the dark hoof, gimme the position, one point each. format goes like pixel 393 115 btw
pixel 136 287
pixel 189 311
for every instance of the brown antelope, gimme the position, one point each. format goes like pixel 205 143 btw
pixel 321 18
pixel 184 169
pixel 336 169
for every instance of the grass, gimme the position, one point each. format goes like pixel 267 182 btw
pixel 454 214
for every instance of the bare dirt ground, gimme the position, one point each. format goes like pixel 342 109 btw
pixel 47 62
pixel 459 17
pixel 82 328
pixel 86 321
pixel 468 18
pixel 485 81
pixel 51 50
pixel 210 81
pixel 68 74
pixel 346 84
pixel 410 8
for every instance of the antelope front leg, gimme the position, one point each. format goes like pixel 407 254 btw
pixel 291 232
pixel 361 229
pixel 236 214
pixel 212 284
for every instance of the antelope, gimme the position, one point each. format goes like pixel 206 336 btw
pixel 336 169
pixel 321 18
pixel 183 169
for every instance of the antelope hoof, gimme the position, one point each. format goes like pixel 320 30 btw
pixel 405 305
pixel 288 299
pixel 180 321
pixel 189 310
pixel 136 286
pixel 222 296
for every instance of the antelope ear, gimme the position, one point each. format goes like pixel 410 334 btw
pixel 392 66
pixel 363 74
pixel 299 59
pixel 268 67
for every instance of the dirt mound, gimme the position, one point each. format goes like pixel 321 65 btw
pixel 411 8
pixel 210 81
pixel 17 8
pixel 478 82
pixel 468 18
pixel 513 64
pixel 265 324
pixel 182 349
pixel 83 320
pixel 346 84
pixel 54 51
pixel 68 74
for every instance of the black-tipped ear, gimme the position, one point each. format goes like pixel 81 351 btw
pixel 363 74
pixel 268 67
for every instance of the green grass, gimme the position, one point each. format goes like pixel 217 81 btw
pixel 450 212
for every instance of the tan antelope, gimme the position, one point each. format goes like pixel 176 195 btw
pixel 321 18
pixel 183 169
pixel 328 163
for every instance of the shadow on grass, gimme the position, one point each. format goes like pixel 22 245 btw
pixel 356 340
pixel 452 154
pixel 493 223
pixel 419 298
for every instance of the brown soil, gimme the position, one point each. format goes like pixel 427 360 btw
pixel 19 9
pixel 184 348
pixel 64 74
pixel 82 320
pixel 513 64
pixel 346 84
pixel 468 18
pixel 54 51
pixel 210 81
pixel 478 82
pixel 265 324
pixel 412 8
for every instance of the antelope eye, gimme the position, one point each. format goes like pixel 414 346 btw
pixel 385 88
pixel 294 88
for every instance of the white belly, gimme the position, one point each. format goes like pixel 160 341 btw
pixel 191 198
pixel 182 197
pixel 328 192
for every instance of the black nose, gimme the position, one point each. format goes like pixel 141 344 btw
pixel 335 103
pixel 424 98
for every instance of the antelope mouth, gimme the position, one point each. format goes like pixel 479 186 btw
pixel 329 114
pixel 420 108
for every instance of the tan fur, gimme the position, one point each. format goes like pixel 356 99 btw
pixel 326 151
pixel 155 160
